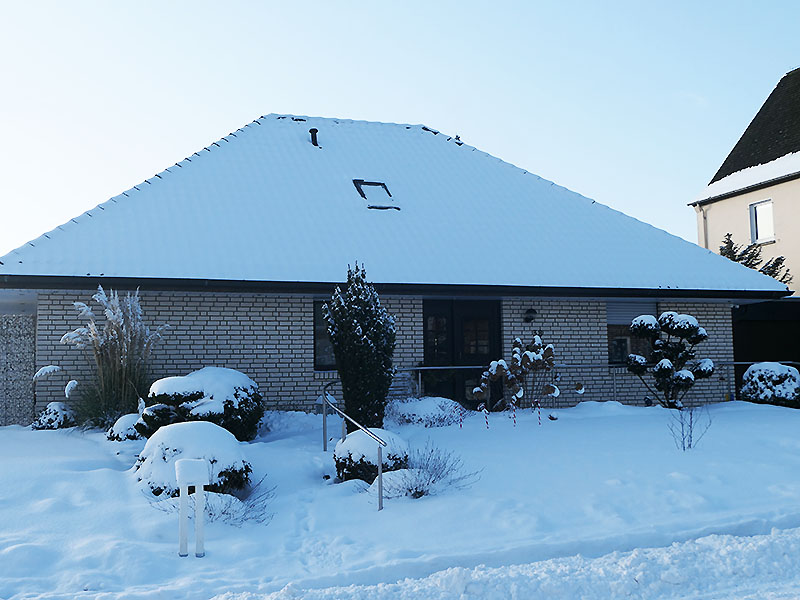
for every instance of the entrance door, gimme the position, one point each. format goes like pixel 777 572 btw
pixel 459 333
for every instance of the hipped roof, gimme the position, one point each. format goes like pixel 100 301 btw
pixel 264 204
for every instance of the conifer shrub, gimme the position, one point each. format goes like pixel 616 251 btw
pixel 771 383
pixel 356 457
pixel 225 397
pixel 363 337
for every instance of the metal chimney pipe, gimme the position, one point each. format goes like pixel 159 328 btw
pixel 313 131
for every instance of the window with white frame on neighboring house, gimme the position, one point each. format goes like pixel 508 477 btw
pixel 762 222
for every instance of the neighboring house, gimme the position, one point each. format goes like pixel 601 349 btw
pixel 754 194
pixel 238 246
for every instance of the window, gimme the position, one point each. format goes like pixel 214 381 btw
pixel 323 349
pixel 619 315
pixel 376 193
pixel 762 223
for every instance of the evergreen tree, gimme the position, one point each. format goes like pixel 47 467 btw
pixel 363 338
pixel 750 256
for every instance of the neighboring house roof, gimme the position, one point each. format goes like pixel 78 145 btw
pixel 769 150
pixel 266 205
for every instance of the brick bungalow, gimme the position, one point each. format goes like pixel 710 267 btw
pixel 237 246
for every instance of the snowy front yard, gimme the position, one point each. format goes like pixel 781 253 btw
pixel 603 478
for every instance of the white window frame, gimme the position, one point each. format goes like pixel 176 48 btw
pixel 754 237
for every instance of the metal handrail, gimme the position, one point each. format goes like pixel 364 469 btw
pixel 381 444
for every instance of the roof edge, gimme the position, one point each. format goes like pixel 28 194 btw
pixel 59 282
pixel 750 188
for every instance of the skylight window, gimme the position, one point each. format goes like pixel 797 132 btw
pixel 376 193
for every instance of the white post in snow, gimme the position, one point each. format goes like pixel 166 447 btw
pixel 192 472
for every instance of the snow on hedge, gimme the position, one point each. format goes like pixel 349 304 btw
pixel 217 384
pixel 428 411
pixel 771 382
pixel 155 467
pixel 123 428
pixel 57 415
pixel 358 445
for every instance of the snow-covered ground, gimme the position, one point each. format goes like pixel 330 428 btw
pixel 597 504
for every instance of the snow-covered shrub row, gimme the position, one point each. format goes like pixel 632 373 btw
pixel 222 396
pixel 57 415
pixel 430 471
pixel 427 411
pixel 155 467
pixel 772 383
pixel 124 429
pixel 356 457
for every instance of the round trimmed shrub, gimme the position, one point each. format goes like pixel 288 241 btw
pixel 222 396
pixel 155 467
pixel 771 383
pixel 57 415
pixel 124 429
pixel 356 457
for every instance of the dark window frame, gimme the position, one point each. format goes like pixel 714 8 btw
pixel 317 310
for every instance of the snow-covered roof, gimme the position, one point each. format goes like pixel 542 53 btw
pixel 769 149
pixel 264 204
pixel 780 169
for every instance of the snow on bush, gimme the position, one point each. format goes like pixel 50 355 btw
pixel 222 396
pixel 427 411
pixel 363 337
pixel 57 415
pixel 430 471
pixel 123 429
pixel 155 467
pixel 772 383
pixel 356 456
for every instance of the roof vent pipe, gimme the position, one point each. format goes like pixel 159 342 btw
pixel 313 131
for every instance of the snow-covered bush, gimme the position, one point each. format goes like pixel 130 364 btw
pixel 771 383
pixel 427 411
pixel 222 396
pixel 57 415
pixel 118 352
pixel 123 429
pixel 363 337
pixel 673 338
pixel 356 457
pixel 528 365
pixel 430 471
pixel 155 467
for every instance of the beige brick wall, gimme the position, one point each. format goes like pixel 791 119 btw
pixel 577 328
pixel 268 337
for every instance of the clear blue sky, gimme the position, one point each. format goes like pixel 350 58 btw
pixel 634 104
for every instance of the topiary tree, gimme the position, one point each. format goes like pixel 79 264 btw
pixel 363 337
pixel 671 364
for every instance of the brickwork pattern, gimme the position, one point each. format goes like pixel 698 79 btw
pixel 268 337
pixel 577 328
pixel 17 335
